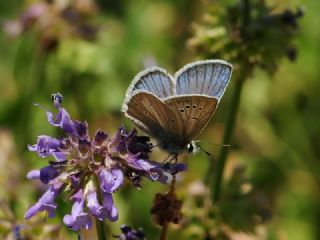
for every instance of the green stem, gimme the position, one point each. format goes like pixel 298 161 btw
pixel 245 70
pixel 101 231
pixel 100 225
pixel 226 138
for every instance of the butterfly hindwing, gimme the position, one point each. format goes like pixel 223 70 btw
pixel 153 116
pixel 194 112
pixel 209 77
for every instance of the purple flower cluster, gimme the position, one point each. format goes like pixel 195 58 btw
pixel 70 19
pixel 90 170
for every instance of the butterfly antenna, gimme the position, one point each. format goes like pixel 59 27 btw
pixel 206 152
pixel 223 145
pixel 216 144
pixel 171 158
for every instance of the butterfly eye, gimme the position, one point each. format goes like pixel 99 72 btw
pixel 190 147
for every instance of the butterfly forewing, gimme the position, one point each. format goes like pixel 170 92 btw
pixel 209 77
pixel 194 112
pixel 154 80
pixel 156 117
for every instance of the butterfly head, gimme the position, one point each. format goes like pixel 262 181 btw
pixel 178 147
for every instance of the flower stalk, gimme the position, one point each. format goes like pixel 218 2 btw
pixel 171 195
pixel 164 231
pixel 245 71
pixel 100 223
pixel 226 139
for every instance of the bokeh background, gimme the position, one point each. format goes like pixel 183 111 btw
pixel 91 50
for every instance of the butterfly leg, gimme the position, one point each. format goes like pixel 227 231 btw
pixel 169 163
pixel 171 159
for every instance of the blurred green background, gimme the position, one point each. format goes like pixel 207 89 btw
pixel 90 51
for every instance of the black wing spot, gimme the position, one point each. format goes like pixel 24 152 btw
pixel 145 112
pixel 205 111
pixel 194 106
pixel 172 120
pixel 187 106
pixel 200 108
pixel 181 110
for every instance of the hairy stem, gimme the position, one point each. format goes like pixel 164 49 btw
pixel 164 231
pixel 245 70
pixel 165 226
pixel 226 139
pixel 101 231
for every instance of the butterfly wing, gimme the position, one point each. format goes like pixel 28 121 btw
pixel 209 77
pixel 153 116
pixel 194 112
pixel 154 80
pixel 175 110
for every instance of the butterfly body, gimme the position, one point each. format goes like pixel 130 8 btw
pixel 174 110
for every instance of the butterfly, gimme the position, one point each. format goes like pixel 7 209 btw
pixel 175 109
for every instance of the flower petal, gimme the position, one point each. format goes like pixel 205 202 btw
pixel 33 174
pixel 78 218
pixel 93 204
pixel 45 146
pixel 47 174
pixel 62 120
pixel 110 180
pixel 108 209
pixel 45 203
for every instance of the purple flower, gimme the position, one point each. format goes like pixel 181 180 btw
pixel 93 203
pixel 110 180
pixel 13 28
pixel 81 128
pixel 47 174
pixel 34 174
pixel 46 202
pixel 78 218
pixel 128 233
pixel 86 167
pixel 106 210
pixel 33 13
pixel 100 137
pixel 46 146
pixel 62 120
